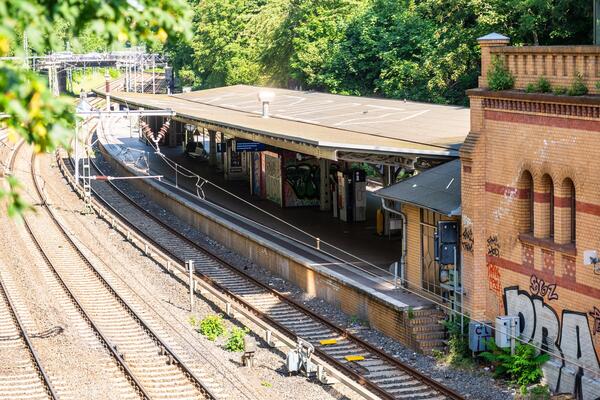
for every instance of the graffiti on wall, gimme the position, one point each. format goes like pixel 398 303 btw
pixel 567 336
pixel 302 185
pixel 493 246
pixel 595 314
pixel 540 287
pixel 494 283
pixel 467 239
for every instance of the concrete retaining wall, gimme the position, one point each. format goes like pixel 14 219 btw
pixel 385 317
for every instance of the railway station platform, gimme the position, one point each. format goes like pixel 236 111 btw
pixel 356 287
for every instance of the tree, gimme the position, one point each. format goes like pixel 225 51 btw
pixel 33 114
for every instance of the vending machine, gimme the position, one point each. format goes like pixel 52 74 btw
pixel 359 195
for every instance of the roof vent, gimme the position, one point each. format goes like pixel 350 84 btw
pixel 265 97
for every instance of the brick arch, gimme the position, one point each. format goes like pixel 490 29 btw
pixel 525 186
pixel 568 172
pixel 566 211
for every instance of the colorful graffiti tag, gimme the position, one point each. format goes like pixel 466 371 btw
pixel 302 185
pixel 568 337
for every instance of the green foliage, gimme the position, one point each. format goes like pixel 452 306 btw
pixel 266 384
pixel 578 87
pixel 530 88
pixel 187 77
pixel 33 113
pixel 598 85
pixel 16 205
pixel 212 327
pixel 419 50
pixel 410 313
pixel 499 77
pixel 543 85
pixel 538 392
pixel 523 368
pixel 458 353
pixel 559 90
pixel 235 342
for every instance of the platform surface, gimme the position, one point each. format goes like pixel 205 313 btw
pixel 358 239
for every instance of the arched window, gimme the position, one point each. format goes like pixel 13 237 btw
pixel 525 187
pixel 544 202
pixel 568 211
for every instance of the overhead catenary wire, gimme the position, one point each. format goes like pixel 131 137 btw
pixel 464 310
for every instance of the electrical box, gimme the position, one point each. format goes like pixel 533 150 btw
pixel 506 326
pixel 448 232
pixel 479 333
pixel 447 254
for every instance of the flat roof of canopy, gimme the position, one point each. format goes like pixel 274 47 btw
pixel 321 124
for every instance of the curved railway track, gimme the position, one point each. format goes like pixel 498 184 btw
pixel 382 375
pixel 26 379
pixel 148 364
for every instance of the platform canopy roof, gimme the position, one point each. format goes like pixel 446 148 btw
pixel 436 189
pixel 321 124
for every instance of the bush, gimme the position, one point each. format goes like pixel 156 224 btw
pixel 458 342
pixel 559 90
pixel 530 88
pixel 578 87
pixel 523 368
pixel 187 77
pixel 543 85
pixel 499 77
pixel 212 327
pixel 598 85
pixel 236 339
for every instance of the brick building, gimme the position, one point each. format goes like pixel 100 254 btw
pixel 531 207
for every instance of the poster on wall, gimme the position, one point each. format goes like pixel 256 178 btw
pixel 273 177
pixel 301 182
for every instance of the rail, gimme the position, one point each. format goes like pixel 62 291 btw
pixel 33 353
pixel 261 319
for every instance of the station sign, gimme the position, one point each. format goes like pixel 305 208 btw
pixel 240 146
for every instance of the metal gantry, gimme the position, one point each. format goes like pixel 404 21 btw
pixel 133 62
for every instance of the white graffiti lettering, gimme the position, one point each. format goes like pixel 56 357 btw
pixel 568 338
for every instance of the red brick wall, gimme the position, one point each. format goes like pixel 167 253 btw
pixel 540 276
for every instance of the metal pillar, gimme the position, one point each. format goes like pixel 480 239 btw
pixel 387 180
pixel 325 189
pixel 212 154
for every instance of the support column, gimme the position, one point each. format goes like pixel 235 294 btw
pixel 223 151
pixel 172 140
pixel 387 181
pixel 212 151
pixel 325 189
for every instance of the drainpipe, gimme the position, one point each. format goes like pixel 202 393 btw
pixel 404 240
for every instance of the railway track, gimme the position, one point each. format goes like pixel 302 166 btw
pixel 148 364
pixel 354 360
pixel 26 378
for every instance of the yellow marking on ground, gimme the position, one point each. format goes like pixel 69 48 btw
pixel 354 358
pixel 325 342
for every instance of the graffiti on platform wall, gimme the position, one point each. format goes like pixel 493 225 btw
pixel 493 246
pixel 467 239
pixel 540 287
pixel 568 337
pixel 302 184
pixel 494 283
pixel 595 314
